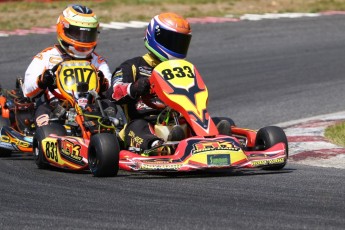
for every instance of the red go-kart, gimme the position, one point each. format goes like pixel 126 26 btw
pixel 180 88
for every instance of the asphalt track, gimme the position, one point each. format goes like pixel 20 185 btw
pixel 259 73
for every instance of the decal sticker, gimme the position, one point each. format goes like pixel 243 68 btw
pixel 206 146
pixel 218 160
pixel 51 150
pixel 71 150
pixel 145 71
pixel 180 71
pixel 72 76
pixel 135 140
pixel 15 141
pixel 82 102
pixel 42 120
pixel 268 162
pixel 157 166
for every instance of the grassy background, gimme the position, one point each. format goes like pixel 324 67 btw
pixel 336 134
pixel 30 13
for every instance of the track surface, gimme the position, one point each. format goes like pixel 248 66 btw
pixel 259 73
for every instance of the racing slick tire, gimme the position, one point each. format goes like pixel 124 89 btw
pixel 5 152
pixel 40 134
pixel 216 120
pixel 269 136
pixel 224 125
pixel 103 155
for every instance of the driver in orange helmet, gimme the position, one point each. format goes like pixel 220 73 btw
pixel 77 33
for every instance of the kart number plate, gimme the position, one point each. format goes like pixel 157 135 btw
pixel 218 160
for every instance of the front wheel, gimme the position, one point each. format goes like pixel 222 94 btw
pixel 103 155
pixel 40 134
pixel 268 137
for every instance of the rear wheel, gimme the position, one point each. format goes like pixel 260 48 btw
pixel 224 125
pixel 40 134
pixel 268 137
pixel 103 155
pixel 216 120
pixel 5 122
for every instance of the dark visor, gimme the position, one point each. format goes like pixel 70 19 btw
pixel 173 41
pixel 81 34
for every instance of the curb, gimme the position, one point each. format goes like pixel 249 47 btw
pixel 307 142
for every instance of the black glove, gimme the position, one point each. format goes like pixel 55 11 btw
pixel 47 78
pixel 140 88
pixel 103 82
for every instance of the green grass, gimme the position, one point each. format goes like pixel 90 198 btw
pixel 336 134
pixel 27 14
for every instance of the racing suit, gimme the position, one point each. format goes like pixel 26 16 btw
pixel 47 59
pixel 138 134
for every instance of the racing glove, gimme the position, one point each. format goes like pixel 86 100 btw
pixel 104 83
pixel 140 88
pixel 47 78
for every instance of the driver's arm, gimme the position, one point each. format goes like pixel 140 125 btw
pixel 35 69
pixel 121 81
pixel 37 75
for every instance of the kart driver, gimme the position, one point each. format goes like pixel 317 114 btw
pixel 167 37
pixel 77 33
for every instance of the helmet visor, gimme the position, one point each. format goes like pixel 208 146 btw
pixel 173 41
pixel 81 34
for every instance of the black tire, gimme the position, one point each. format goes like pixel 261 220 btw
pixel 40 134
pixel 216 120
pixel 224 125
pixel 103 155
pixel 5 122
pixel 269 136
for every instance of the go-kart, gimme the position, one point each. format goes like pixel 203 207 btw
pixel 16 121
pixel 84 135
pixel 183 94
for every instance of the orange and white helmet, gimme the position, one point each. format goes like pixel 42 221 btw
pixel 77 31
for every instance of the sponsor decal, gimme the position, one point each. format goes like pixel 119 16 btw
pixel 268 162
pixel 14 141
pixel 218 159
pixel 135 140
pixel 144 70
pixel 157 166
pixel 206 146
pixel 42 120
pixel 82 102
pixel 71 150
pixel 55 60
pixel 140 105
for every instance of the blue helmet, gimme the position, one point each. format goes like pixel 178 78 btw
pixel 168 36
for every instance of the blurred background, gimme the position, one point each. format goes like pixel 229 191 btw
pixel 26 14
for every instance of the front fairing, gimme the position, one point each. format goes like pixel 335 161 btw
pixel 196 153
pixel 179 85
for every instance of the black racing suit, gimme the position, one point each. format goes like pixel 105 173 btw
pixel 138 133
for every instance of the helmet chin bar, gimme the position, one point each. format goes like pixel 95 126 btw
pixel 78 54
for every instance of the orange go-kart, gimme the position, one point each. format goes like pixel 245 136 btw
pixel 180 88
pixel 16 121
pixel 84 137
